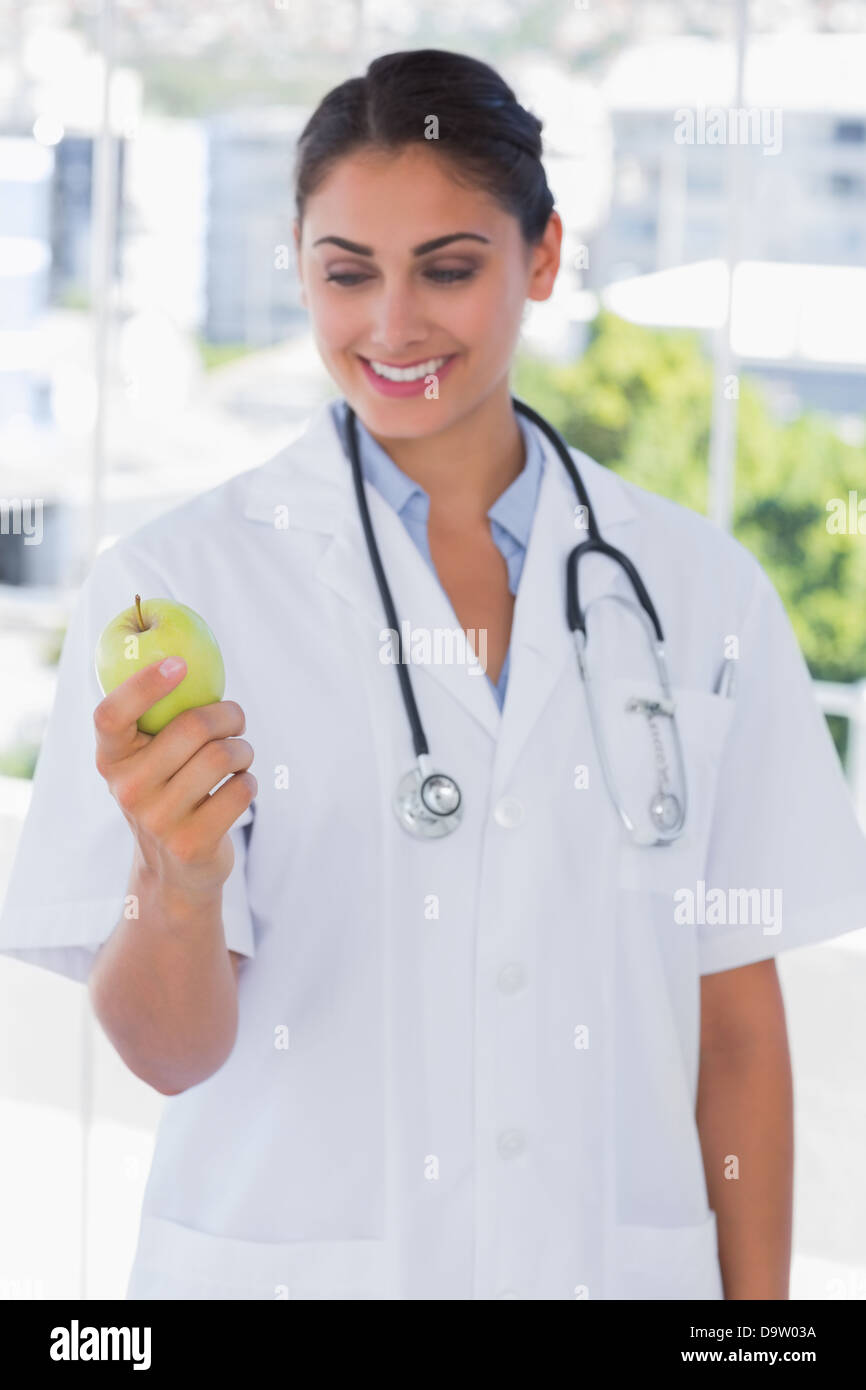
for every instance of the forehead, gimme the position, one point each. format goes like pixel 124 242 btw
pixel 411 194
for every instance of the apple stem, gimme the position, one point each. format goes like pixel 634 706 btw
pixel 140 618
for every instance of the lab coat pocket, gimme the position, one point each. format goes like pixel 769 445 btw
pixel 178 1262
pixel 676 1262
pixel 703 721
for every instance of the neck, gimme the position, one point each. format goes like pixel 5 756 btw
pixel 466 466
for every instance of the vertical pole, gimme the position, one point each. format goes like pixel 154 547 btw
pixel 102 236
pixel 670 238
pixel 102 233
pixel 723 432
pixel 856 759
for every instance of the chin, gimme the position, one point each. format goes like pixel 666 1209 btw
pixel 406 419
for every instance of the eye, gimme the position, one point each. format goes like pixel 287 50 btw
pixel 440 276
pixel 448 276
pixel 347 278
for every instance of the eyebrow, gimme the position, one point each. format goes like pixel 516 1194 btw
pixel 422 250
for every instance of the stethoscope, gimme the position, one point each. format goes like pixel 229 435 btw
pixel 428 803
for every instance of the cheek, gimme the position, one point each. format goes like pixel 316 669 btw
pixel 336 322
pixel 491 318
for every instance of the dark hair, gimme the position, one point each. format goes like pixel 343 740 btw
pixel 483 130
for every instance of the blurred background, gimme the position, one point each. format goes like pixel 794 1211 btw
pixel 707 339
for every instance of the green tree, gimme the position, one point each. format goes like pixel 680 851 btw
pixel 640 401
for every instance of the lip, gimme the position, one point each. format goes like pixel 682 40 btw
pixel 405 388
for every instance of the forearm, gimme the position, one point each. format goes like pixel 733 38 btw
pixel 745 1122
pixel 163 987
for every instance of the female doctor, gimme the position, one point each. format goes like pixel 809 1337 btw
pixel 469 992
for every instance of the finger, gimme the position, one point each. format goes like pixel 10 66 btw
pixel 116 717
pixel 183 736
pixel 219 811
pixel 184 791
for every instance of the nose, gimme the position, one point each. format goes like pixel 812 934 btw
pixel 396 319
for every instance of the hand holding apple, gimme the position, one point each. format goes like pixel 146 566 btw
pixel 149 631
pixel 182 790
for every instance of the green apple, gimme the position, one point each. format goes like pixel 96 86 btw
pixel 148 632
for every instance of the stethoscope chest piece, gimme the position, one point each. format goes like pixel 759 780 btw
pixel 428 804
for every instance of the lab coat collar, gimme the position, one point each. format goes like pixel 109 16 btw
pixel 313 473
pixel 309 485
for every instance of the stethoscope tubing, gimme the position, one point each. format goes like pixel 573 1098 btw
pixel 419 738
pixel 575 614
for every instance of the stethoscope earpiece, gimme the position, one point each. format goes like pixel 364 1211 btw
pixel 666 812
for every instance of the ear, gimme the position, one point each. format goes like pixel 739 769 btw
pixel 546 260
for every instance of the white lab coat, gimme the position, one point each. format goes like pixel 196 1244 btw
pixel 489 1084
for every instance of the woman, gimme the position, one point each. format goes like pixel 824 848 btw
pixel 490 1045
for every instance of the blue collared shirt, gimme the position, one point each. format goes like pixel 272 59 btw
pixel 510 516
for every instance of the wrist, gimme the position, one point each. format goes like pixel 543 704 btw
pixel 172 899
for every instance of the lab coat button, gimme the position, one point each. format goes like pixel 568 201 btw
pixel 508 812
pixel 511 978
pixel 511 1142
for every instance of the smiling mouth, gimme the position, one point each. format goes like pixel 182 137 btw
pixel 413 371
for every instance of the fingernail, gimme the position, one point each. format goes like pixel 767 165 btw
pixel 171 665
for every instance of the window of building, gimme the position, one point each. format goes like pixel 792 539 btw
pixel 850 133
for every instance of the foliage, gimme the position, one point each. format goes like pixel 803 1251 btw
pixel 215 355
pixel 52 645
pixel 19 760
pixel 640 401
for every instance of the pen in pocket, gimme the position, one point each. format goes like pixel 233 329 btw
pixel 727 678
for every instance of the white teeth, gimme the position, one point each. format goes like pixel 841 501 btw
pixel 408 373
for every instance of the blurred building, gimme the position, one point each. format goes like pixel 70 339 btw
pixel 804 201
pixel 45 195
pixel 252 291
pixel 71 195
pixel 800 329
pixel 26 170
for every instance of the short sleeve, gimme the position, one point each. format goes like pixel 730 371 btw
pixel 785 847
pixel 71 868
